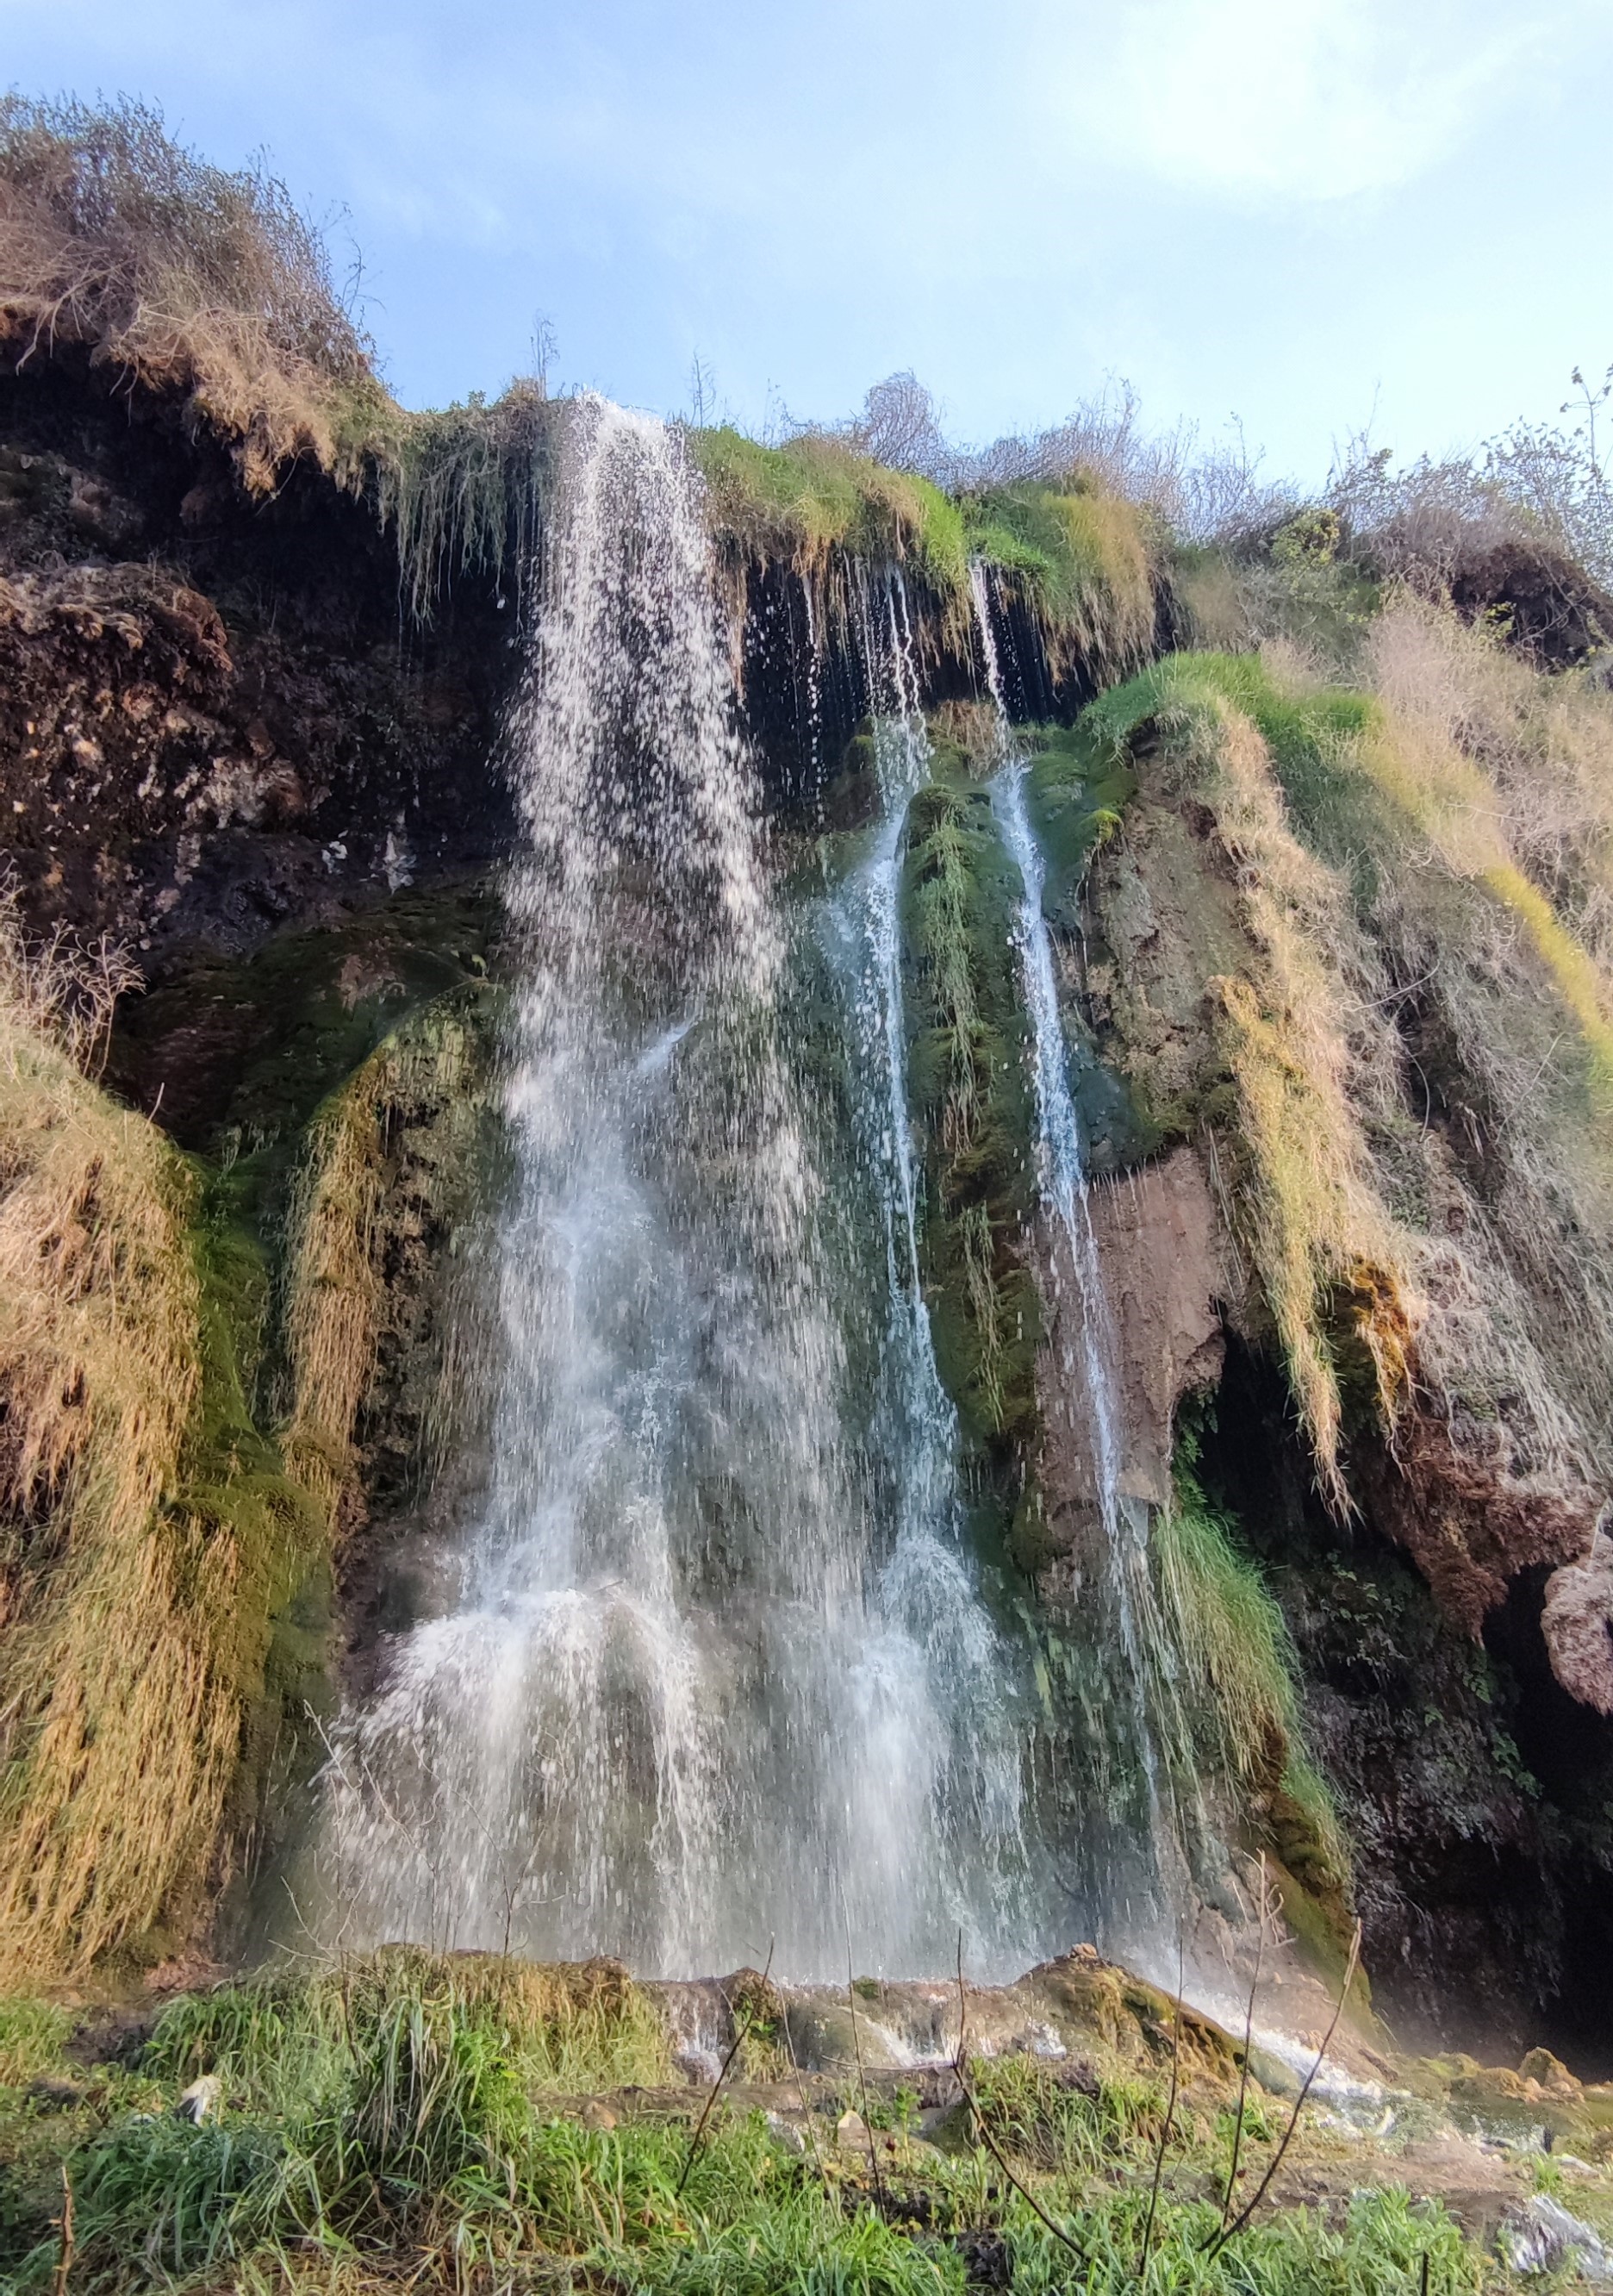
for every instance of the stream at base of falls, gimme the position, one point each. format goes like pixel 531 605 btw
pixel 718 1674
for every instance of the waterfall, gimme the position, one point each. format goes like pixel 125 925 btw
pixel 713 1670
pixel 1126 1607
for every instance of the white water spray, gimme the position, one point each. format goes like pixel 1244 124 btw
pixel 713 1668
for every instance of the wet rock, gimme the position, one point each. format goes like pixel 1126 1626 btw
pixel 1156 1235
pixel 1542 2235
pixel 988 2260
pixel 1551 2074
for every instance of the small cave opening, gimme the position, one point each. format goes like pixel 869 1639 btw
pixel 1567 1751
pixel 1475 1792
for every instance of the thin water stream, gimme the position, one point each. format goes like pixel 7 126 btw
pixel 1083 1328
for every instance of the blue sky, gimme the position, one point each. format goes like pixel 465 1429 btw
pixel 1307 213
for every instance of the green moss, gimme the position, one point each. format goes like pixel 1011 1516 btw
pixel 1236 1673
pixel 1300 728
pixel 970 1088
pixel 1076 795
pixel 244 1049
pixel 817 494
pixel 1081 562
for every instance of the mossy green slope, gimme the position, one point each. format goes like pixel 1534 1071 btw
pixel 968 1082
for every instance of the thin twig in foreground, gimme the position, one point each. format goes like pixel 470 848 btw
pixel 1170 2109
pixel 1249 2040
pixel 1275 2162
pixel 990 2142
pixel 741 2026
pixel 64 2263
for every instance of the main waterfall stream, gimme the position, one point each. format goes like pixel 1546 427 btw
pixel 716 1671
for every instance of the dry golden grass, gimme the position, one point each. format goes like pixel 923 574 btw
pixel 146 1534
pixel 189 279
pixel 1287 1029
pixel 116 1750
pixel 1470 792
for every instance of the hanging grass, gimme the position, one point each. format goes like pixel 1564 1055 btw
pixel 1302 1195
pixel 148 1532
pixel 1082 562
pixel 461 487
pixel 1237 1674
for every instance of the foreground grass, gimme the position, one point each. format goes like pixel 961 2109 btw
pixel 419 2122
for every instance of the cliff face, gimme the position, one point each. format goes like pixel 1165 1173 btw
pixel 1352 1262
pixel 216 721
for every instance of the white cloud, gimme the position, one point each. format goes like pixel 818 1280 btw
pixel 1306 99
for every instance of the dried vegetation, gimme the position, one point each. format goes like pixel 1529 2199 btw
pixel 144 1527
pixel 193 282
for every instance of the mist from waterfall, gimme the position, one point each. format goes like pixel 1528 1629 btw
pixel 717 1672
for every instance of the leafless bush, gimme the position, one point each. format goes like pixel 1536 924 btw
pixel 1202 495
pixel 62 987
pixel 1534 483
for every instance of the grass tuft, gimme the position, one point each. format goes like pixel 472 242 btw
pixel 190 280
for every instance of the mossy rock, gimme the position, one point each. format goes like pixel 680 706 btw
pixel 232 1052
pixel 970 1090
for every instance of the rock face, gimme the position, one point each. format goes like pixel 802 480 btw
pixel 1159 1249
pixel 1577 1621
pixel 1446 1493
pixel 232 731
pixel 1158 1244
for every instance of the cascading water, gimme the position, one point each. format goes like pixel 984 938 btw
pixel 1136 1857
pixel 716 1672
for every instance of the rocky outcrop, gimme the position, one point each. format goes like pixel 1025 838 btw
pixel 1444 1490
pixel 214 722
pixel 1577 1621
pixel 1158 1247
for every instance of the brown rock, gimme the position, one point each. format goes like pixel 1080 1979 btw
pixel 1577 1623
pixel 1444 1488
pixel 1158 1241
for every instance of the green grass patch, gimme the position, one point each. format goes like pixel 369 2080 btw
pixel 395 2119
pixel 1081 561
pixel 816 496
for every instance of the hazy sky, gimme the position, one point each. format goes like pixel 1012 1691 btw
pixel 1295 211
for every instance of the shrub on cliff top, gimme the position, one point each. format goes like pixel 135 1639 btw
pixel 194 280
